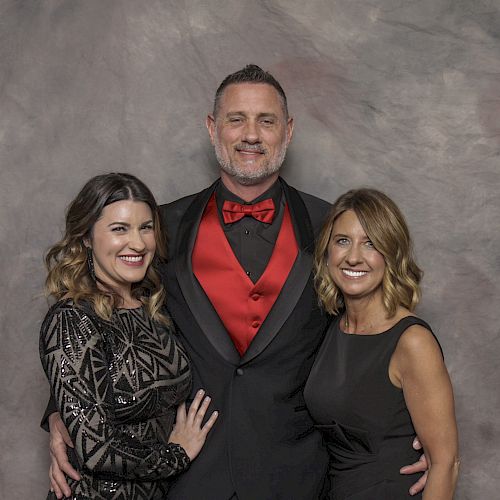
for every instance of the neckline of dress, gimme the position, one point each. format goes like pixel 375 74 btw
pixel 138 308
pixel 341 331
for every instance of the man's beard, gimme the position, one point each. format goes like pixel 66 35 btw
pixel 247 177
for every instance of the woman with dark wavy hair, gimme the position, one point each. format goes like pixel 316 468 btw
pixel 118 374
pixel 379 376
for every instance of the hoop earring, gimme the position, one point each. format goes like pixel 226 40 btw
pixel 90 264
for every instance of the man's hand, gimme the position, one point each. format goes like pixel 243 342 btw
pixel 419 466
pixel 188 429
pixel 59 464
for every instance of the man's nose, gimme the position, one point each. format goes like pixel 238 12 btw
pixel 251 132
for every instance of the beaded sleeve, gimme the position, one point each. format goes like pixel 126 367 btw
pixel 74 359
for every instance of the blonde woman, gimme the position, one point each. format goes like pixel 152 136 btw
pixel 118 374
pixel 379 376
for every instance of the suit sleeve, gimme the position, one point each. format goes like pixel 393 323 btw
pixel 51 408
pixel 75 362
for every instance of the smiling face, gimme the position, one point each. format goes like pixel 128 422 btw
pixel 355 266
pixel 250 133
pixel 123 244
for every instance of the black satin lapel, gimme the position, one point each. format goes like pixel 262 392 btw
pixel 296 281
pixel 300 217
pixel 198 302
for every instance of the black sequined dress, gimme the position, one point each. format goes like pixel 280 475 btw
pixel 363 417
pixel 117 384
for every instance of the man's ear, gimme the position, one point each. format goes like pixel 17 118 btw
pixel 210 124
pixel 289 130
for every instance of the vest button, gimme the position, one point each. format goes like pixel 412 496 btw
pixel 255 296
pixel 239 371
pixel 255 324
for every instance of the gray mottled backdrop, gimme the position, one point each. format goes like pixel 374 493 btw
pixel 398 94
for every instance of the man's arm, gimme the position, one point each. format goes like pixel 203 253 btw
pixel 59 463
pixel 51 408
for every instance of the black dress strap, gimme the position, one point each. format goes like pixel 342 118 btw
pixel 408 321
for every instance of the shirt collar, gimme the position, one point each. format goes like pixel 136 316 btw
pixel 222 194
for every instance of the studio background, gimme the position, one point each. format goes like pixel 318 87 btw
pixel 400 95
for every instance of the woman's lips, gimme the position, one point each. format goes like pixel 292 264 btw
pixel 132 260
pixel 354 274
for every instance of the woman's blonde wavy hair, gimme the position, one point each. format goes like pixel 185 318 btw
pixel 385 226
pixel 66 261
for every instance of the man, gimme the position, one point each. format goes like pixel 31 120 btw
pixel 241 292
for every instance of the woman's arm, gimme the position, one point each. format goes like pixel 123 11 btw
pixel 73 357
pixel 418 366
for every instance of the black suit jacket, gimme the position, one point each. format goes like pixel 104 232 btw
pixel 263 445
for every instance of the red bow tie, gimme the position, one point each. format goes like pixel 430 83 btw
pixel 262 211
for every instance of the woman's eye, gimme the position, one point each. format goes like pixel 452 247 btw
pixel 148 227
pixel 342 241
pixel 369 244
pixel 118 229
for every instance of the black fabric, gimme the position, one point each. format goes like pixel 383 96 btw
pixel 51 408
pixel 264 445
pixel 252 241
pixel 362 416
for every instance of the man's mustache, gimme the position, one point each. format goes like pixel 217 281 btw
pixel 255 148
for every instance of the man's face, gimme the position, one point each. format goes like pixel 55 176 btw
pixel 250 132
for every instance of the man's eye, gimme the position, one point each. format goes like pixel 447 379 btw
pixel 235 119
pixel 268 122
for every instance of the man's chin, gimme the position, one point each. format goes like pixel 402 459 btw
pixel 250 178
pixel 251 181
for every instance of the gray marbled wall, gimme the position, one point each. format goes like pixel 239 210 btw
pixel 398 94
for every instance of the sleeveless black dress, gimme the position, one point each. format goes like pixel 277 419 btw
pixel 363 417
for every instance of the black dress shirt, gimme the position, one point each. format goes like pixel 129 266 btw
pixel 252 241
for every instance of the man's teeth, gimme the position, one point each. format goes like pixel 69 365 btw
pixel 354 274
pixel 127 258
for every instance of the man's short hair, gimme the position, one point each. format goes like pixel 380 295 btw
pixel 251 73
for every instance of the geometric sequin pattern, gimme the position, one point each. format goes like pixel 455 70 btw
pixel 117 385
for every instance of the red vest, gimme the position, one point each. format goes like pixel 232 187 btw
pixel 241 305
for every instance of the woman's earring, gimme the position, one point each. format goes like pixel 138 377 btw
pixel 90 264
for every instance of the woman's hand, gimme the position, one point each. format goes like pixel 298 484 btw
pixel 188 431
